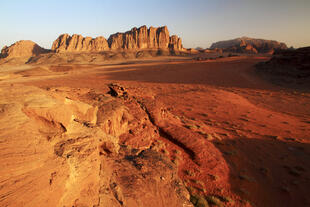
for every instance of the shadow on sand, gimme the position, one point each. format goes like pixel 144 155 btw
pixel 236 73
pixel 268 172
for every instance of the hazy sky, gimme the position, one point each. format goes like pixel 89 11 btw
pixel 197 22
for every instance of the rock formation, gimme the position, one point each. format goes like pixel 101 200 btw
pixel 136 38
pixel 175 43
pixel 57 150
pixel 249 45
pixel 142 38
pixel 22 48
pixel 294 64
pixel 78 43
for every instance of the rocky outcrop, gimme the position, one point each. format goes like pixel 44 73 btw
pixel 78 43
pixel 141 38
pixel 289 64
pixel 135 39
pixel 175 43
pixel 22 48
pixel 249 45
pixel 81 150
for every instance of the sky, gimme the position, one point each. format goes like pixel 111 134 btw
pixel 198 22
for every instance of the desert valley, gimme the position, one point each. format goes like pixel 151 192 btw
pixel 138 120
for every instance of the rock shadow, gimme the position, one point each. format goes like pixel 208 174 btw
pixel 268 172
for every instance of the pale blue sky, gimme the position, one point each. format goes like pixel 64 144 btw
pixel 198 22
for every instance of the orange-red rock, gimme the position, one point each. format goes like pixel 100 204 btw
pixel 136 38
pixel 144 38
pixel 175 43
pixel 78 43
pixel 22 48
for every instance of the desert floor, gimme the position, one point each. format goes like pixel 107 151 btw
pixel 232 134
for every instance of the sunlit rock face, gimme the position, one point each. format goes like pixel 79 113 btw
pixel 136 38
pixel 22 48
pixel 141 38
pixel 78 43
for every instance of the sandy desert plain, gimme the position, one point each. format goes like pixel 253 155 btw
pixel 163 130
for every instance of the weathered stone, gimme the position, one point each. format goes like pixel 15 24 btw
pixel 78 43
pixel 135 39
pixel 22 48
pixel 175 43
pixel 143 38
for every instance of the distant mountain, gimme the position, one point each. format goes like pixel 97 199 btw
pixel 249 45
pixel 199 48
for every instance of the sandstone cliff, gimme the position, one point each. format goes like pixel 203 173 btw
pixel 136 38
pixel 78 43
pixel 22 49
pixel 144 38
pixel 175 43
pixel 249 45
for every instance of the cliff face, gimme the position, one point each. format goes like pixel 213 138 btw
pixel 22 48
pixel 78 43
pixel 249 45
pixel 175 43
pixel 136 38
pixel 141 38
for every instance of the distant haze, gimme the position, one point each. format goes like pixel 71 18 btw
pixel 198 22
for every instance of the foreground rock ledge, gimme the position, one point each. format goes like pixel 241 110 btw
pixel 57 150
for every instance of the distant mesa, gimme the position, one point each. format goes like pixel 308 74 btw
pixel 135 39
pixel 249 45
pixel 21 49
